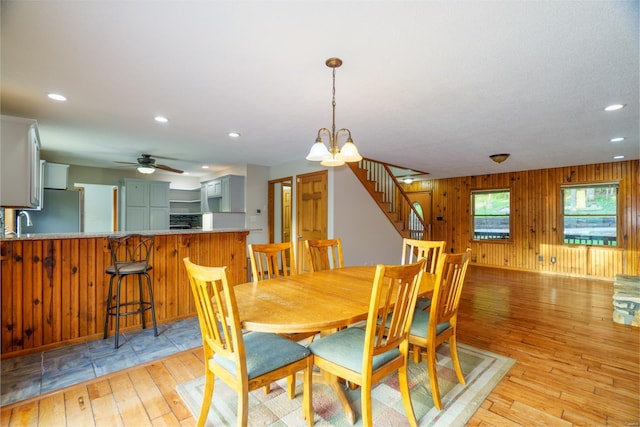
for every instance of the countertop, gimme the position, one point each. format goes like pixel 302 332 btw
pixel 54 236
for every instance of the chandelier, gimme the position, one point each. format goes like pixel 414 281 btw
pixel 333 156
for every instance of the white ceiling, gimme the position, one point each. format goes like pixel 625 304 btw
pixel 435 86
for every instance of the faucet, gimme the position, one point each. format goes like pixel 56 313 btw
pixel 19 222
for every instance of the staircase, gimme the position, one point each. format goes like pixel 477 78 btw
pixel 384 188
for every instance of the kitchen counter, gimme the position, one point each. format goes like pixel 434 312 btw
pixel 49 236
pixel 54 286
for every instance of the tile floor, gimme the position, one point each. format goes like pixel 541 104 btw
pixel 27 376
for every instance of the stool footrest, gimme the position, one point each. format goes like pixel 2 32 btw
pixel 111 311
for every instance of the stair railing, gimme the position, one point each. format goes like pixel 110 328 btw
pixel 389 193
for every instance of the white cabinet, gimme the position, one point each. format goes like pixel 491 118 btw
pixel 144 205
pixel 232 194
pixel 56 176
pixel 20 181
pixel 214 189
pixel 184 201
pixel 225 194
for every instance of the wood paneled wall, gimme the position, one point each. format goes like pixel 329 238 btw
pixel 54 292
pixel 536 215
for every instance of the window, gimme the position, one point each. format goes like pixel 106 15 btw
pixel 416 229
pixel 490 211
pixel 590 214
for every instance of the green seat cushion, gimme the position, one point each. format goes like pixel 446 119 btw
pixel 423 303
pixel 346 348
pixel 421 323
pixel 265 353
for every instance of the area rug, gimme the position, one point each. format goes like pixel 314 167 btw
pixel 482 370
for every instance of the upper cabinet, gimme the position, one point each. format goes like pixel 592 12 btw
pixel 144 205
pixel 225 194
pixel 184 201
pixel 20 181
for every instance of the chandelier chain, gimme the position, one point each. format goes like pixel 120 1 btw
pixel 333 105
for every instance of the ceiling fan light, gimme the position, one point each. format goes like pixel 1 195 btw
pixel 349 152
pixel 319 152
pixel 147 170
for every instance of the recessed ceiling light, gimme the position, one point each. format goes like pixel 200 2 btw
pixel 205 167
pixel 614 107
pixel 57 97
pixel 161 119
pixel 618 139
pixel 618 157
pixel 234 134
pixel 408 180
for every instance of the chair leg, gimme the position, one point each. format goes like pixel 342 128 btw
pixel 118 289
pixel 153 306
pixel 108 309
pixel 307 398
pixel 433 376
pixel 141 302
pixel 453 348
pixel 243 407
pixel 291 386
pixel 403 376
pixel 416 354
pixel 206 398
pixel 365 401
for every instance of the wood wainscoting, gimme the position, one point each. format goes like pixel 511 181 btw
pixel 54 291
pixel 536 218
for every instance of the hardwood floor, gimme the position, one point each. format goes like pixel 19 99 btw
pixel 575 366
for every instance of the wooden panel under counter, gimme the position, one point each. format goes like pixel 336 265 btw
pixel 54 288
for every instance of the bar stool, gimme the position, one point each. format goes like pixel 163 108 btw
pixel 130 256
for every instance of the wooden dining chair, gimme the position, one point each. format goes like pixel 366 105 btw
pixel 270 260
pixel 243 361
pixel 431 328
pixel 413 250
pixel 365 356
pixel 324 254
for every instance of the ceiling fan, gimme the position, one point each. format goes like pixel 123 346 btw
pixel 147 165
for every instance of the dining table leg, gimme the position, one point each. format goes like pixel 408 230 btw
pixel 335 384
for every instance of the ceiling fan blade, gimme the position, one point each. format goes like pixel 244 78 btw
pixel 168 168
pixel 125 163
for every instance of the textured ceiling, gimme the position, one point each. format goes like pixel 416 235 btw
pixel 435 86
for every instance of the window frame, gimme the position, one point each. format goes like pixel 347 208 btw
pixel 473 215
pixel 585 186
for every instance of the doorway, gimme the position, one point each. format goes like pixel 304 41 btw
pixel 280 209
pixel 423 200
pixel 311 211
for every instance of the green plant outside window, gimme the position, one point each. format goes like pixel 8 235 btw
pixel 590 214
pixel 491 215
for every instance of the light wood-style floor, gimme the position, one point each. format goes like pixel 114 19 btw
pixel 575 366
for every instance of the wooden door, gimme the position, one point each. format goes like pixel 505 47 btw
pixel 311 219
pixel 286 213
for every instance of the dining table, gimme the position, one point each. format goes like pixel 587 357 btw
pixel 322 301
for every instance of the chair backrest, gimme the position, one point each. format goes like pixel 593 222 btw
pixel 450 274
pixel 324 254
pixel 413 250
pixel 391 308
pixel 217 313
pixel 130 249
pixel 271 260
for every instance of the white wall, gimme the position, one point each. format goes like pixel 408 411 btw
pixel 98 207
pixel 92 175
pixel 368 238
pixel 256 198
